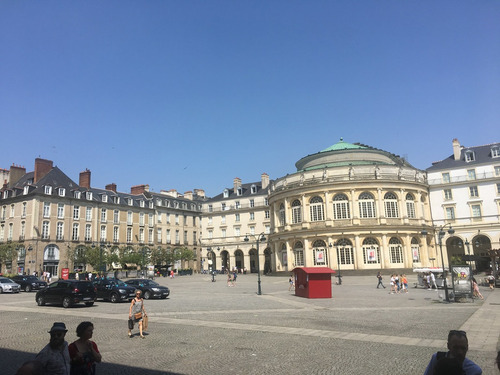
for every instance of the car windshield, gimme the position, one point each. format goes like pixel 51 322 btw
pixel 6 281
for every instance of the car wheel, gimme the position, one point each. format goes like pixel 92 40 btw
pixel 27 288
pixel 66 302
pixel 114 298
pixel 147 294
pixel 89 303
pixel 40 301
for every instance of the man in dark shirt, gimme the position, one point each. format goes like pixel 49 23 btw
pixel 54 357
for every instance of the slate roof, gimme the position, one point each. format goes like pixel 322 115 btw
pixel 246 192
pixel 58 179
pixel 482 155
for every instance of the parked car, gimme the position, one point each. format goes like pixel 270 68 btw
pixel 149 288
pixel 29 282
pixel 9 286
pixel 67 293
pixel 114 290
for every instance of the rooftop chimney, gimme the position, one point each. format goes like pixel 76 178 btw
pixel 199 193
pixel 15 174
pixel 111 187
pixel 188 195
pixel 456 149
pixel 265 180
pixel 139 189
pixel 85 179
pixel 42 167
pixel 236 183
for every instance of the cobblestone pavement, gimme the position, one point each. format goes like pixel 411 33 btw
pixel 210 328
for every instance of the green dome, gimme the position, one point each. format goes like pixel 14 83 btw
pixel 341 145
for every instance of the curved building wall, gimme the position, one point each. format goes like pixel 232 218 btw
pixel 351 217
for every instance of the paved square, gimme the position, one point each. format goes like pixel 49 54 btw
pixel 210 328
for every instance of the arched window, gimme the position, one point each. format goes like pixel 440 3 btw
pixel 296 212
pixel 371 251
pixel 410 206
pixel 415 250
pixel 298 251
pixel 366 206
pixel 341 207
pixel 345 252
pixel 316 209
pixel 395 250
pixel 282 217
pixel 320 253
pixel 391 205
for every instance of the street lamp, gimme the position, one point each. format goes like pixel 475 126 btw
pixel 257 239
pixel 441 233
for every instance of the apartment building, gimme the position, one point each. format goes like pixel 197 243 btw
pixel 232 222
pixel 47 221
pixel 465 195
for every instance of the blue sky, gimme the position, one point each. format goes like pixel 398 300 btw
pixel 190 94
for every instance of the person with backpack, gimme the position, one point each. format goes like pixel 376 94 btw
pixel 458 345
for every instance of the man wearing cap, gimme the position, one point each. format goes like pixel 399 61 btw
pixel 55 356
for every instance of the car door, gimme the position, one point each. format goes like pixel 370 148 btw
pixel 101 288
pixel 54 291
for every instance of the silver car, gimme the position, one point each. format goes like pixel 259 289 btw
pixel 9 286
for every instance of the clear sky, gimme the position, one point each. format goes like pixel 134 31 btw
pixel 190 94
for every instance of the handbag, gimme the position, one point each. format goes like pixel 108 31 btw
pixel 145 323
pixel 138 316
pixel 131 324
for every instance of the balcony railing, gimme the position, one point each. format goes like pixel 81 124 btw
pixel 462 178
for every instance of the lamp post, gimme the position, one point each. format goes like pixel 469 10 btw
pixel 257 239
pixel 441 233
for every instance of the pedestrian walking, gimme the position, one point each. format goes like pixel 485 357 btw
pixel 475 289
pixel 491 281
pixel 291 283
pixel 379 277
pixel 404 283
pixel 137 312
pixel 433 281
pixel 83 352
pixel 393 284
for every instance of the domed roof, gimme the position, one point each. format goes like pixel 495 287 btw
pixel 341 145
pixel 344 153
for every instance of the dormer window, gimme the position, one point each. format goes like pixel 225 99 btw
pixel 469 156
pixel 78 194
pixel 253 189
pixel 226 193
pixel 26 190
pixel 158 202
pixel 151 204
pixel 88 195
pixel 5 194
pixel 130 201
pixel 176 204
pixel 116 200
pixel 48 190
pixel 62 192
pixel 104 198
pixel 495 152
pixel 141 203
pixel 239 191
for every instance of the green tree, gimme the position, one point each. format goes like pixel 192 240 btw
pixel 8 252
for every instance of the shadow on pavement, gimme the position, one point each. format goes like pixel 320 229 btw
pixel 11 360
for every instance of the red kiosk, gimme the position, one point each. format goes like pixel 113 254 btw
pixel 313 282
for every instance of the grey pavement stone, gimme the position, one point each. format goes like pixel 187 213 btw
pixel 209 328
